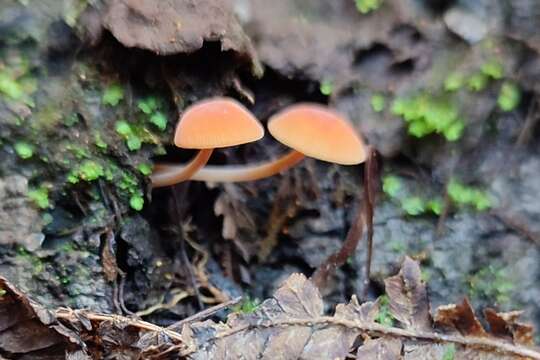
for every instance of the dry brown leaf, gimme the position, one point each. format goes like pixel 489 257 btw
pixel 380 349
pixel 291 325
pixel 298 300
pixel 506 324
pixel 28 330
pixel 408 297
pixel 459 317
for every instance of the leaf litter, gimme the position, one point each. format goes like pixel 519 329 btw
pixel 290 325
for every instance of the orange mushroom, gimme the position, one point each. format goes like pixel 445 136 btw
pixel 206 125
pixel 309 129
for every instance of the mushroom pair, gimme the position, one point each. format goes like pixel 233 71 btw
pixel 308 129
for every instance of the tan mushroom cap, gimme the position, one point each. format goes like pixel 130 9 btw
pixel 216 123
pixel 318 132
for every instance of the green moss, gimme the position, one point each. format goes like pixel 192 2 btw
pixel 391 185
pixel 367 6
pixel 509 96
pixel 40 197
pixel 384 316
pixel 491 282
pixel 247 306
pixel 326 87
pixel 71 119
pixel 148 105
pixel 454 82
pixel 112 94
pixel 454 130
pixel 159 119
pixel 413 205
pixel 98 140
pixel 145 169
pixel 449 352
pixel 10 87
pixel 463 195
pixel 426 114
pixel 435 206
pixel 477 82
pixel 493 69
pixel 136 202
pixel 377 102
pixel 90 170
pixel 124 129
pixel 24 150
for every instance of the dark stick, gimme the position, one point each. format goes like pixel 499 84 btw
pixel 370 181
pixel 364 215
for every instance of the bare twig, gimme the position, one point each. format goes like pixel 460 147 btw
pixel 364 216
pixel 72 316
pixel 372 328
pixel 371 176
pixel 205 313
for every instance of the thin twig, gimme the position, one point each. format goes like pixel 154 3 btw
pixel 371 175
pixel 372 328
pixel 205 313
pixel 71 316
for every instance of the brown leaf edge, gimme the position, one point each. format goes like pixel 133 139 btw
pixel 28 328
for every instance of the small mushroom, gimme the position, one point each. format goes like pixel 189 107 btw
pixel 309 129
pixel 206 125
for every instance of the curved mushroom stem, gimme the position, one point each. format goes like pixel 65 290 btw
pixel 231 173
pixel 181 173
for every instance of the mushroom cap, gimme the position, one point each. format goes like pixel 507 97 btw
pixel 216 123
pixel 318 132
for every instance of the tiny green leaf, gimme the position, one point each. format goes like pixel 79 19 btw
pixel 112 94
pixel 367 6
pixel 326 87
pixel 10 87
pixel 453 82
pixel 435 206
pixel 377 102
pixel 123 128
pixel 136 202
pixel 24 150
pixel 449 352
pixel 477 82
pixel 454 131
pixel 509 96
pixel 133 142
pixel 40 197
pixel 391 185
pixel 90 170
pixel 413 205
pixel 159 119
pixel 493 69
pixel 145 169
pixel 148 105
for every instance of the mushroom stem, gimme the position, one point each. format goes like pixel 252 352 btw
pixel 231 173
pixel 176 174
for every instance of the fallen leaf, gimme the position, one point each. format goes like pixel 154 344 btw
pixel 459 317
pixel 408 297
pixel 380 349
pixel 506 324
